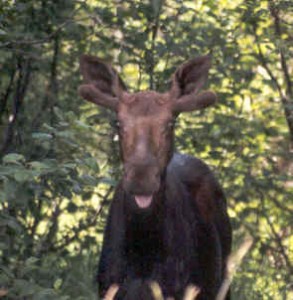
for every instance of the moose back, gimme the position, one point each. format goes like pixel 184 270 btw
pixel 168 220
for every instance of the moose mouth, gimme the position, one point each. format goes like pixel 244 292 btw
pixel 143 201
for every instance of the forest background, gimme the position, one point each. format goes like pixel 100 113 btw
pixel 59 154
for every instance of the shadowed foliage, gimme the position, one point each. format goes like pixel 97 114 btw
pixel 59 154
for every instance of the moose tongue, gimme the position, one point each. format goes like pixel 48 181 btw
pixel 143 201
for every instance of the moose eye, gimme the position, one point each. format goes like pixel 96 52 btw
pixel 168 126
pixel 115 124
pixel 171 123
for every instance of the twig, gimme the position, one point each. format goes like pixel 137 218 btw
pixel 277 238
pixel 191 292
pixel 264 63
pixel 284 98
pixel 279 243
pixel 46 244
pixel 24 68
pixel 51 90
pixel 154 30
pixel 287 99
pixel 275 14
pixel 83 226
pixel 4 99
pixel 111 292
pixel 51 35
pixel 233 263
pixel 40 41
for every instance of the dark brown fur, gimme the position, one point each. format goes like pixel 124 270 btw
pixel 184 236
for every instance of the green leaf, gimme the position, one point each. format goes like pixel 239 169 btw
pixel 42 136
pixel 37 165
pixel 13 158
pixel 29 266
pixel 6 271
pixel 45 294
pixel 22 176
pixel 108 181
pixel 88 179
pixel 82 125
pixel 65 134
pixel 70 165
pixel 25 287
pixel 92 163
pixel 13 225
pixel 71 207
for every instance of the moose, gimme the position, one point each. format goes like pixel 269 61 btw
pixel 168 220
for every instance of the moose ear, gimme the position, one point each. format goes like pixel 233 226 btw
pixel 188 79
pixel 102 84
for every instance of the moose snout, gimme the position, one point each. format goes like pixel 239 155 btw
pixel 141 178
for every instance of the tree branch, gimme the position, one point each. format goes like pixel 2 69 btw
pixel 285 100
pixel 278 31
pixel 154 30
pixel 276 236
pixel 4 99
pixel 265 64
pixel 47 242
pixel 287 97
pixel 52 88
pixel 83 226
pixel 280 244
pixel 233 263
pixel 24 69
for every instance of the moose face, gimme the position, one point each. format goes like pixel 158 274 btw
pixel 145 119
pixel 146 134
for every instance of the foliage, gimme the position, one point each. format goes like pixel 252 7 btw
pixel 60 156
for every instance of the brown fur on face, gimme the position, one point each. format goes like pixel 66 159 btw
pixel 146 118
pixel 146 137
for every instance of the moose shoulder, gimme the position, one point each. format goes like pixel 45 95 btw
pixel 168 220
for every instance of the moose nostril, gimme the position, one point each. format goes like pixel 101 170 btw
pixel 128 174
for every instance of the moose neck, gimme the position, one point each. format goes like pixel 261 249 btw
pixel 144 231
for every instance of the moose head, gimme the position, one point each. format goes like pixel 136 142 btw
pixel 146 119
